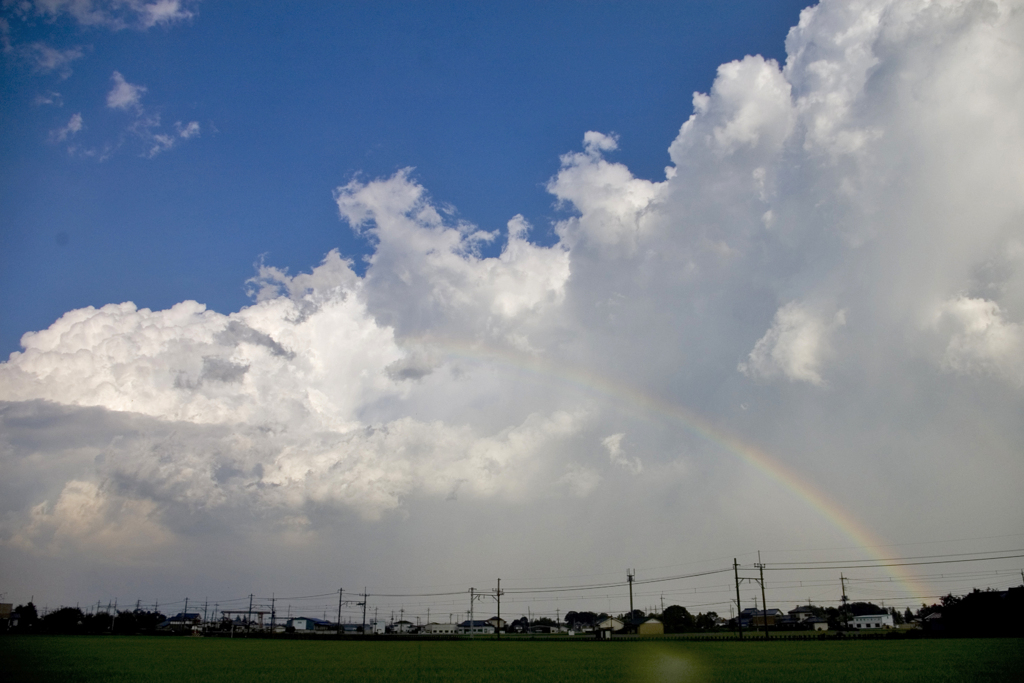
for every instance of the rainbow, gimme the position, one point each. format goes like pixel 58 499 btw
pixel 619 392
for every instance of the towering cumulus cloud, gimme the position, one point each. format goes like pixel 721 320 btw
pixel 832 267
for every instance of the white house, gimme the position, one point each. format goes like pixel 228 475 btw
pixel 801 613
pixel 403 627
pixel 478 627
pixel 309 624
pixel 434 628
pixel 872 621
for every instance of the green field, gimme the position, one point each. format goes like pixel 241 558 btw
pixel 178 660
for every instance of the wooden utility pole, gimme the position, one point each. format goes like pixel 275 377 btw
pixel 846 611
pixel 248 623
pixel 364 611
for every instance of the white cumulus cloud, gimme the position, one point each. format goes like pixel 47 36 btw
pixel 871 185
pixel 795 347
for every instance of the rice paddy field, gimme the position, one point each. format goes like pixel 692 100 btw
pixel 180 659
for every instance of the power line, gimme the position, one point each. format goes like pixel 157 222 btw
pixel 896 564
pixel 919 557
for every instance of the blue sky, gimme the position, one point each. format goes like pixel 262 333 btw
pixel 669 284
pixel 480 99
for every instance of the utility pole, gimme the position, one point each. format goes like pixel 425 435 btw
pixel 339 610
pixel 273 613
pixel 248 623
pixel 471 598
pixel 629 577
pixel 115 616
pixel 497 593
pixel 184 615
pixel 846 611
pixel 764 603
pixel 364 611
pixel 663 605
pixel 739 610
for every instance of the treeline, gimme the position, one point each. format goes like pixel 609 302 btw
pixel 71 620
pixel 979 613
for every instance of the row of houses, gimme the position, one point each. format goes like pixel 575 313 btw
pixel 803 618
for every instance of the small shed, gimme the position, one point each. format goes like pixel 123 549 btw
pixel 817 623
pixel 650 627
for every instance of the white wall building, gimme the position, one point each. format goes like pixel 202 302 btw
pixel 481 627
pixel 872 621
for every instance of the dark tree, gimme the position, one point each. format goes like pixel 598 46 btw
pixel 859 609
pixel 27 616
pixel 678 620
pixel 577 620
pixel 64 620
pixel 706 622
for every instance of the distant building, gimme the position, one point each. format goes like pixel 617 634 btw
pixel 610 624
pixel 650 627
pixel 476 627
pixel 770 616
pixel 497 622
pixel 434 628
pixel 817 623
pixel 182 620
pixel 403 627
pixel 310 625
pixel 801 613
pixel 872 621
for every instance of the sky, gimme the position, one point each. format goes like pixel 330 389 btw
pixel 414 296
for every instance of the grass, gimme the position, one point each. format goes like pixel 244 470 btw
pixel 177 659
